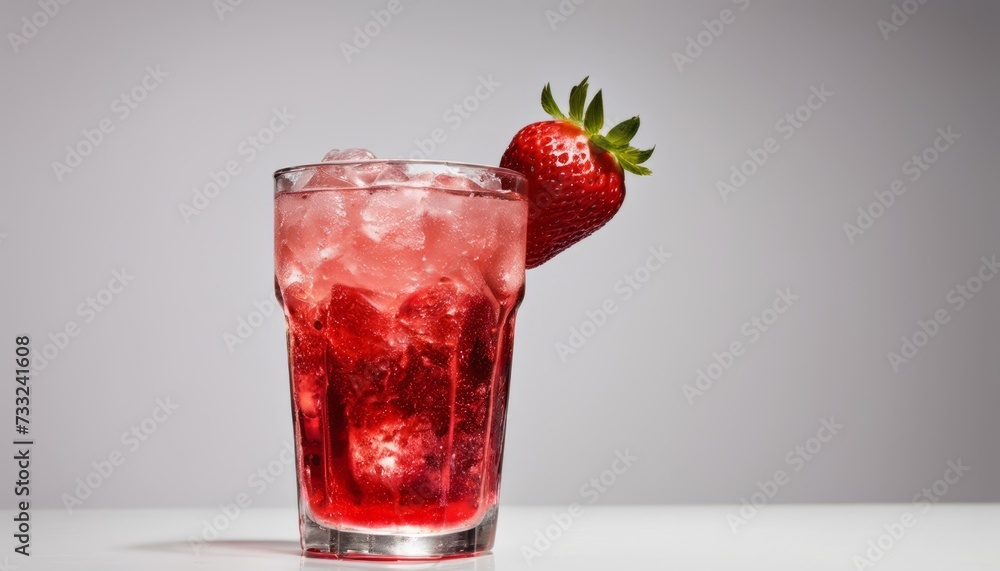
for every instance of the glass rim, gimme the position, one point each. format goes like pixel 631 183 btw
pixel 459 164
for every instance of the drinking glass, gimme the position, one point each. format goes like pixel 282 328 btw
pixel 399 282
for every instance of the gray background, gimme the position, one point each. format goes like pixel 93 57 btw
pixel 163 337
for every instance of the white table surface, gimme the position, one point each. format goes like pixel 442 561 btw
pixel 948 537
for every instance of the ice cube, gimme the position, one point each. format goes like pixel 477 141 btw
pixel 455 182
pixel 328 177
pixel 368 175
pixel 452 352
pixel 361 175
pixel 490 181
pixel 311 229
pixel 300 179
pixel 349 155
pixel 424 179
pixel 309 401
pixel 504 268
pixel 357 331
pixel 390 175
pixel 433 312
pixel 390 216
pixel 389 449
pixel 338 176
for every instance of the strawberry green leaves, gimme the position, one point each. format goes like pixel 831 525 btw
pixel 622 133
pixel 594 119
pixel 631 159
pixel 618 139
pixel 577 99
pixel 549 104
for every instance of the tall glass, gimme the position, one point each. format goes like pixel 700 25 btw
pixel 399 281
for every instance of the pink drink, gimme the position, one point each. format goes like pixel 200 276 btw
pixel 399 282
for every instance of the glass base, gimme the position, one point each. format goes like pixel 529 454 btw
pixel 322 541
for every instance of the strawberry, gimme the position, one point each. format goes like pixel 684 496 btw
pixel 576 178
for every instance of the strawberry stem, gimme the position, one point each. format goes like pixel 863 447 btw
pixel 618 138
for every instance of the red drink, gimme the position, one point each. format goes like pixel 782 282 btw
pixel 400 291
